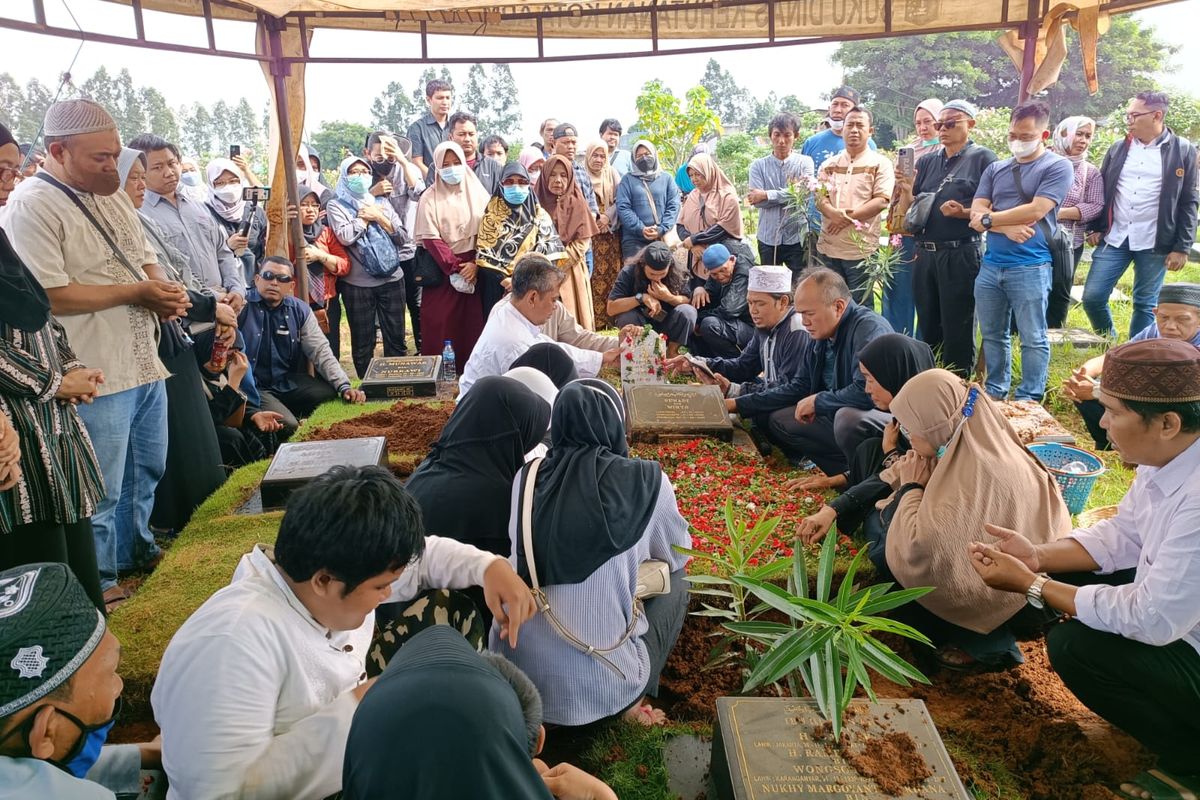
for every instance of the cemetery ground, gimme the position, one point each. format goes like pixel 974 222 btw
pixel 1012 735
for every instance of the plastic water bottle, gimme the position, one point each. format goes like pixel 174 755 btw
pixel 449 373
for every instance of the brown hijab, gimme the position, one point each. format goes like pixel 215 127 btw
pixel 605 181
pixel 570 212
pixel 718 205
pixel 985 475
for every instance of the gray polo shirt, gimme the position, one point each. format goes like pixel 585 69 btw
pixel 191 228
pixel 426 134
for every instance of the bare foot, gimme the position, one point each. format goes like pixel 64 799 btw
pixel 645 714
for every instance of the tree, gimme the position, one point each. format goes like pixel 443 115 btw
pixel 11 100
pixel 732 103
pixel 393 110
pixel 675 130
pixel 336 139
pixel 159 117
pixel 474 97
pixel 772 104
pixel 198 132
pixel 127 109
pixel 36 101
pixel 506 103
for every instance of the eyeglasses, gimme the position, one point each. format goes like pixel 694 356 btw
pixel 1132 117
pixel 382 160
pixel 948 126
pixel 278 277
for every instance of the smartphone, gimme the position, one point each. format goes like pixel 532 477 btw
pixel 256 194
pixel 699 365
pixel 906 161
pixel 235 150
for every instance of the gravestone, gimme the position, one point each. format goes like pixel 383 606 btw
pixel 768 747
pixel 664 411
pixel 297 463
pixel 1078 338
pixel 394 378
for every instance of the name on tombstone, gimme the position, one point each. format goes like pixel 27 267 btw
pixel 297 463
pixel 394 378
pixel 661 411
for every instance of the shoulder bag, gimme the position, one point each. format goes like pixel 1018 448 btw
pixel 1061 244
pixel 653 579
pixel 670 238
pixel 917 216
pixel 375 249
pixel 426 273
pixel 174 340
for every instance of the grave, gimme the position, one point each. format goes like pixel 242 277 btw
pixel 297 463
pixel 660 412
pixel 394 378
pixel 1078 338
pixel 769 747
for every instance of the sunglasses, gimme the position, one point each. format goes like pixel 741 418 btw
pixel 947 126
pixel 278 277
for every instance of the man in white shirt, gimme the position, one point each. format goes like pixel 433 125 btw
pixel 256 691
pixel 1132 652
pixel 1149 217
pixel 513 327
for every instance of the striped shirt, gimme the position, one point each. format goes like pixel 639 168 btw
pixel 776 225
pixel 60 478
pixel 577 688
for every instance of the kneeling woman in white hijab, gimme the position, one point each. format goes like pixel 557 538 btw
pixel 596 515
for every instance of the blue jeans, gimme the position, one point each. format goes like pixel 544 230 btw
pixel 129 434
pixel 1108 265
pixel 898 308
pixel 1002 293
pixel 591 261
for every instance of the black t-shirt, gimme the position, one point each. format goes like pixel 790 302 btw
pixel 623 286
pixel 932 169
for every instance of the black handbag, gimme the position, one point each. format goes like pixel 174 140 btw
pixel 1062 248
pixel 426 273
pixel 917 216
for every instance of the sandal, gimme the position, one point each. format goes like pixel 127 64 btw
pixel 1156 784
pixel 113 597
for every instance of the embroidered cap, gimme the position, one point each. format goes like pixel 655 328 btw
pixel 1152 371
pixel 770 279
pixel 48 629
pixel 1186 294
pixel 74 117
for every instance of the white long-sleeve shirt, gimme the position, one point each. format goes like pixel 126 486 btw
pixel 506 337
pixel 1135 204
pixel 254 695
pixel 1157 529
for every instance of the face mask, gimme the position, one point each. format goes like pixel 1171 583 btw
pixel 190 179
pixel 301 176
pixel 84 754
pixel 534 174
pixel 647 163
pixel 1023 149
pixel 230 193
pixel 452 175
pixel 357 184
pixel 515 195
pixel 836 125
pixel 382 169
pixel 931 142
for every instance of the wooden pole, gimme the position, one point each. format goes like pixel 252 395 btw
pixel 1033 26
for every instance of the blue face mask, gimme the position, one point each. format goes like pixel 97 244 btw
pixel 452 175
pixel 358 184
pixel 190 178
pixel 515 195
pixel 89 749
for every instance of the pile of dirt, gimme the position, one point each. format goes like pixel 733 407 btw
pixel 410 428
pixel 1024 719
pixel 891 760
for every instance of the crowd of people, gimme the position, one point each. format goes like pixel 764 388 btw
pixel 149 344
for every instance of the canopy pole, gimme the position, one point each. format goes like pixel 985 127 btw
pixel 1033 26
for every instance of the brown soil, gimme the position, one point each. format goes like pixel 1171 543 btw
pixel 1023 719
pixel 891 760
pixel 410 428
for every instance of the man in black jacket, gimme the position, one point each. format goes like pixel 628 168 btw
pixel 832 413
pixel 1149 217
pixel 722 318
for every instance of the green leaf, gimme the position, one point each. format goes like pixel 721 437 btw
pixel 712 593
pixel 756 628
pixel 714 580
pixel 886 602
pixel 761 531
pixel 871 624
pixel 770 594
pixel 715 612
pixel 687 551
pixel 847 586
pixel 770 570
pixel 877 655
pixel 785 655
pixel 825 567
pixel 850 650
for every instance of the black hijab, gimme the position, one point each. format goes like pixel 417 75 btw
pixel 550 360
pixel 464 485
pixel 23 302
pixel 312 232
pixel 895 358
pixel 441 722
pixel 592 501
pixel 513 170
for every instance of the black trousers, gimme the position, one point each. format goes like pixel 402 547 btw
pixel 333 309
pixel 365 308
pixel 792 256
pixel 721 337
pixel 1060 292
pixel 71 544
pixel 1092 411
pixel 852 271
pixel 412 299
pixel 300 402
pixel 944 294
pixel 829 442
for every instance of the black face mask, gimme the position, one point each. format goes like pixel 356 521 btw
pixel 380 170
pixel 646 163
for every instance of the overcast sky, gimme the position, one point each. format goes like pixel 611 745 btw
pixel 581 92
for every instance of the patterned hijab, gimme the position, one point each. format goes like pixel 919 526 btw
pixel 605 181
pixel 570 213
pixel 1064 136
pixel 508 232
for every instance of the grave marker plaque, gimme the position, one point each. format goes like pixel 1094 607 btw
pixel 396 378
pixel 766 747
pixel 1078 338
pixel 664 411
pixel 297 463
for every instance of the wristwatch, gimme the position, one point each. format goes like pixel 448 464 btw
pixel 639 297
pixel 986 221
pixel 1033 595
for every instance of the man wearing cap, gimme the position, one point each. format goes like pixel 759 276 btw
pixel 1177 316
pixel 59 693
pixel 859 185
pixel 723 321
pixel 566 144
pixel 620 160
pixel 1131 653
pixel 948 257
pixel 110 302
pixel 754 381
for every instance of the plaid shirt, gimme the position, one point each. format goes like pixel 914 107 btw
pixel 1086 194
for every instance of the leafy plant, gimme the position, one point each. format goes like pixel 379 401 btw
pixel 830 639
pixel 674 129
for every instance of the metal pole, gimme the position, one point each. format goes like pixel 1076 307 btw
pixel 279 70
pixel 1033 25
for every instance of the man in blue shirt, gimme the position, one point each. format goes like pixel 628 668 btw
pixel 780 232
pixel 1016 204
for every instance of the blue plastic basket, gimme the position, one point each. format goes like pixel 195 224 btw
pixel 1076 487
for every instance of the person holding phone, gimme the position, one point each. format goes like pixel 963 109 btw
pixel 244 223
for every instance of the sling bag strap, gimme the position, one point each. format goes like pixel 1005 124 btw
pixel 543 603
pixel 95 224
pixel 1042 224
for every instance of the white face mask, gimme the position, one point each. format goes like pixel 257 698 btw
pixel 1023 149
pixel 230 192
pixel 836 125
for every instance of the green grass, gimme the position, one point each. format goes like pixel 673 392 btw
pixel 629 758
